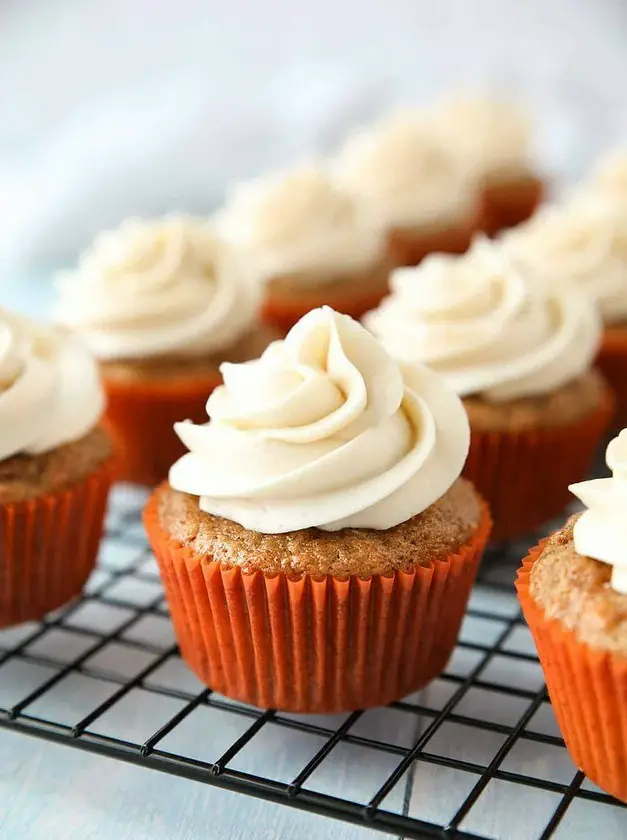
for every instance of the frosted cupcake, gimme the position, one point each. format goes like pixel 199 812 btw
pixel 55 468
pixel 573 590
pixel 316 544
pixel 522 362
pixel 493 137
pixel 412 176
pixel 582 245
pixel 161 304
pixel 309 243
pixel 607 181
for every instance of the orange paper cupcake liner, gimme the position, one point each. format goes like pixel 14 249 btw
pixel 507 204
pixel 48 547
pixel 140 418
pixel 314 645
pixel 588 690
pixel 612 362
pixel 407 247
pixel 524 474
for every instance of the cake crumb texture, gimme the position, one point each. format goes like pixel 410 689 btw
pixel 25 477
pixel 576 591
pixel 431 535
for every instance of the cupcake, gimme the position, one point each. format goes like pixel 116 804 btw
pixel 309 243
pixel 55 468
pixel 316 543
pixel 522 362
pixel 493 137
pixel 573 591
pixel 583 245
pixel 161 304
pixel 408 174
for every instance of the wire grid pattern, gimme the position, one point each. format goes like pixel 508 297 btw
pixel 104 674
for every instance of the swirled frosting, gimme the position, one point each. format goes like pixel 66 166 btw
pixel 581 245
pixel 608 179
pixel 408 171
pixel 301 222
pixel 325 430
pixel 601 531
pixel 474 320
pixel 493 136
pixel 50 392
pixel 168 287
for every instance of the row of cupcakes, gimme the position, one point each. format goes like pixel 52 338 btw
pixel 316 542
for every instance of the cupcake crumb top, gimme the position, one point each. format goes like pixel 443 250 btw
pixel 576 590
pixel 431 535
pixel 25 477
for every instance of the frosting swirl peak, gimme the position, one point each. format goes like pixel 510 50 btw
pixel 324 430
pixel 301 221
pixel 409 170
pixel 601 531
pixel 168 287
pixel 474 320
pixel 580 246
pixel 50 392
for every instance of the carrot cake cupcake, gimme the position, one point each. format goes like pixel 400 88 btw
pixel 309 243
pixel 493 136
pixel 521 360
pixel 573 590
pixel 582 245
pixel 55 467
pixel 161 304
pixel 408 172
pixel 316 543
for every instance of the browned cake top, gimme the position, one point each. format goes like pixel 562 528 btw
pixel 567 405
pixel 173 367
pixel 27 476
pixel 576 590
pixel 433 534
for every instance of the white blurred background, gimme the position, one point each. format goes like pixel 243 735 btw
pixel 143 106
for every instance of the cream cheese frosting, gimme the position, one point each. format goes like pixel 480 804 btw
pixel 50 391
pixel 409 171
pixel 493 136
pixel 601 531
pixel 168 287
pixel 300 222
pixel 325 430
pixel 474 320
pixel 580 245
pixel 608 179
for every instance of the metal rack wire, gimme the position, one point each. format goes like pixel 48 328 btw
pixel 483 730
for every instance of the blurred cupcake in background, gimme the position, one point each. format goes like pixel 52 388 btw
pixel 407 170
pixel 573 591
pixel 316 543
pixel 494 138
pixel 55 467
pixel 309 243
pixel 607 181
pixel 522 362
pixel 161 304
pixel 582 246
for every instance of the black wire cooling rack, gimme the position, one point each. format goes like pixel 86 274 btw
pixel 468 757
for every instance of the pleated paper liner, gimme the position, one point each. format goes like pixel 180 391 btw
pixel 588 690
pixel 612 362
pixel 48 547
pixel 506 204
pixel 314 645
pixel 140 418
pixel 409 246
pixel 524 475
